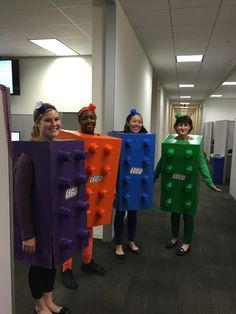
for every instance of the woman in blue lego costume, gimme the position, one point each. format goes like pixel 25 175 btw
pixel 46 127
pixel 133 124
pixel 183 126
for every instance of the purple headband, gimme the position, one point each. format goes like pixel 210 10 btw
pixel 41 108
pixel 133 112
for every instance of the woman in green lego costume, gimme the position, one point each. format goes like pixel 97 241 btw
pixel 177 183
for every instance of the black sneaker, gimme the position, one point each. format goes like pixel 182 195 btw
pixel 68 280
pixel 93 268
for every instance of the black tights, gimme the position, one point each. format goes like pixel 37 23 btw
pixel 131 223
pixel 41 280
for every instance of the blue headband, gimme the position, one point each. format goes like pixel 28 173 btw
pixel 41 108
pixel 133 112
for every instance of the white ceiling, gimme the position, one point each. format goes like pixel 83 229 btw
pixel 165 28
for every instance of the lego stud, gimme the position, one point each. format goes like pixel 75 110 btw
pixel 188 187
pixel 80 155
pixel 64 212
pixel 127 160
pixel 65 243
pixel 145 179
pixel 107 149
pixel 170 152
pixel 168 202
pixel 188 153
pixel 93 148
pixel 146 143
pixel 126 179
pixel 146 161
pixel 169 168
pixel 89 213
pixel 128 143
pixel 90 170
pixel 168 186
pixel 64 183
pixel 188 205
pixel 188 169
pixel 126 197
pixel 82 233
pixel 89 193
pixel 80 179
pixel 144 197
pixel 102 193
pixel 105 170
pixel 82 206
pixel 100 212
pixel 63 156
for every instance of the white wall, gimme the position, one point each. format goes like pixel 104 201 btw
pixel 66 82
pixel 219 109
pixel 133 74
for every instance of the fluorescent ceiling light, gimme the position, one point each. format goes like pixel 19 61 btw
pixel 189 58
pixel 54 46
pixel 185 97
pixel 229 83
pixel 186 85
pixel 216 96
pixel 184 103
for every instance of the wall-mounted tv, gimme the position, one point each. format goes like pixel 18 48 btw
pixel 10 75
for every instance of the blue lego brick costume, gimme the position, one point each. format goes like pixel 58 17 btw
pixel 135 175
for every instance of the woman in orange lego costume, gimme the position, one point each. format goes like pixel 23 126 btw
pixel 87 120
pixel 133 124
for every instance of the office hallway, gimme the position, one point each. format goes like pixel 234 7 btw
pixel 158 281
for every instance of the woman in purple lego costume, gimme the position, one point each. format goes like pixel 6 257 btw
pixel 46 127
pixel 183 126
pixel 133 124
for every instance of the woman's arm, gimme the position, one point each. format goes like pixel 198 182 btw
pixel 23 189
pixel 205 172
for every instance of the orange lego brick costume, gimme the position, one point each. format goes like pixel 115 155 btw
pixel 101 168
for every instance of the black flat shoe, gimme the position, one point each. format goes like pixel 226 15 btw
pixel 64 310
pixel 181 251
pixel 93 268
pixel 132 250
pixel 68 280
pixel 170 244
pixel 120 256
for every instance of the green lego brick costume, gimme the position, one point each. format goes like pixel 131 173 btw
pixel 179 166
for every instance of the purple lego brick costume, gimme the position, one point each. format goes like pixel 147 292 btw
pixel 58 201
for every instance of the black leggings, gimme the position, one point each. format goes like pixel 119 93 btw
pixel 118 225
pixel 41 280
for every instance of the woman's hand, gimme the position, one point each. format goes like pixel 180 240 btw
pixel 217 189
pixel 29 246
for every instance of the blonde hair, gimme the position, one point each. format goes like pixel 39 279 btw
pixel 35 129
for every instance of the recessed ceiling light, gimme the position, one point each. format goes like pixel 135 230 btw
pixel 216 96
pixel 54 46
pixel 189 58
pixel 186 85
pixel 229 83
pixel 185 97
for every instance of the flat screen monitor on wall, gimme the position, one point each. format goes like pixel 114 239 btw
pixel 9 75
